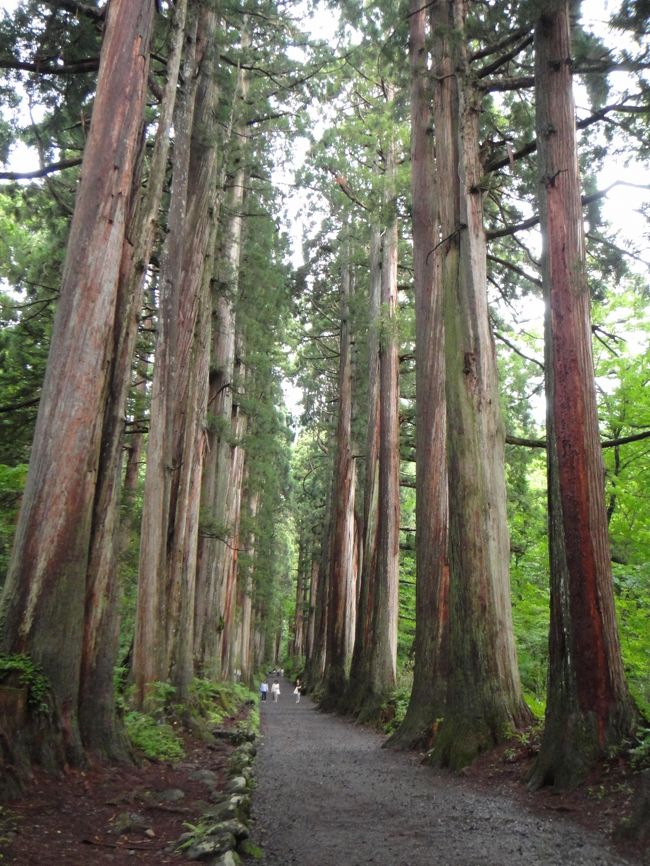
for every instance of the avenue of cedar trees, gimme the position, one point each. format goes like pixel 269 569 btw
pixel 449 536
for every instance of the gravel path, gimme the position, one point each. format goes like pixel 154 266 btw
pixel 329 795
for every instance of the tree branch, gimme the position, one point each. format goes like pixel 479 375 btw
pixel 515 269
pixel 517 351
pixel 97 13
pixel 91 64
pixel 586 122
pixel 500 61
pixel 607 443
pixel 586 199
pixel 13 407
pixel 498 46
pixel 40 172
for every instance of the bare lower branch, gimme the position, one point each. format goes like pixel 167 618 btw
pixel 40 172
pixel 91 64
pixel 517 351
pixel 607 443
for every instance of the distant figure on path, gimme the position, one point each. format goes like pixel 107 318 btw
pixel 275 690
pixel 298 690
pixel 263 690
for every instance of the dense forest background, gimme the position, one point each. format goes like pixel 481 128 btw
pixel 218 377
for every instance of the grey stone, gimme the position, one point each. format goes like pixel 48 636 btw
pixel 228 859
pixel 126 822
pixel 207 776
pixel 222 810
pixel 211 846
pixel 172 795
pixel 233 826
pixel 240 766
pixel 237 785
pixel 223 734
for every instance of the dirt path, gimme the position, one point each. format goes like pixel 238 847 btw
pixel 329 794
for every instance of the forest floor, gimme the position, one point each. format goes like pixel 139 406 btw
pixel 327 793
pixel 117 814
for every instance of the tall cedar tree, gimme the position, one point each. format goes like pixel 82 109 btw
pixel 220 494
pixel 42 610
pixel 428 694
pixel 588 708
pixel 166 586
pixel 484 701
pixel 101 629
pixel 383 660
pixel 341 584
pixel 374 676
pixel 358 684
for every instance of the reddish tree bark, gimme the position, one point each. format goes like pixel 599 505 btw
pixel 244 652
pixel 589 708
pixel 43 601
pixel 233 520
pixel 97 693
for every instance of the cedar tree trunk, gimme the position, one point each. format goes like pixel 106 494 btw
pixel 589 709
pixel 428 694
pixel 383 655
pixel 97 720
pixel 341 555
pixel 484 701
pixel 359 682
pixel 42 610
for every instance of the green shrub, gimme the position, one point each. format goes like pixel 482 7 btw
pixel 12 482
pixel 156 740
pixel 537 704
pixel 216 701
pixel 399 705
pixel 640 753
pixel 31 677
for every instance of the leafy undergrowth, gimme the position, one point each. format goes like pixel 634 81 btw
pixel 157 733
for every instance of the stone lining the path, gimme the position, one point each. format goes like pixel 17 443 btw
pixel 222 831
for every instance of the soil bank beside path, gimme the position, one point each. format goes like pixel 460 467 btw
pixel 329 795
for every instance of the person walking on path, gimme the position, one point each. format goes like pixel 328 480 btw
pixel 263 690
pixel 297 690
pixel 275 691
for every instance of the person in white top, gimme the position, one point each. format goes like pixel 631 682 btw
pixel 275 691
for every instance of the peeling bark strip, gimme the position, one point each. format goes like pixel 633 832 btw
pixel 588 705
pixel 47 577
